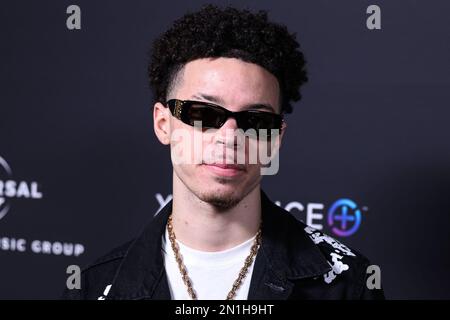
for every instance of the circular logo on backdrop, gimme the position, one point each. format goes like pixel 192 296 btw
pixel 10 188
pixel 344 217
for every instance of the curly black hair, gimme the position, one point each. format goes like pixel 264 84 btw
pixel 214 32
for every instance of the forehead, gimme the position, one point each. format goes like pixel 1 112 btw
pixel 236 82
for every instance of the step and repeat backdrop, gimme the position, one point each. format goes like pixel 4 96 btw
pixel 366 157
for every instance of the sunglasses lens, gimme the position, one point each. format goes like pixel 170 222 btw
pixel 260 120
pixel 211 117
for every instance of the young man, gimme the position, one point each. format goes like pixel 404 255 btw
pixel 214 72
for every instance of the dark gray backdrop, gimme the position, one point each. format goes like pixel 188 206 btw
pixel 75 117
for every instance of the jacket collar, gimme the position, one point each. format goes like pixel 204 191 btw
pixel 286 254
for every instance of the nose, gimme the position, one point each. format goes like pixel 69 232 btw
pixel 226 134
pixel 229 124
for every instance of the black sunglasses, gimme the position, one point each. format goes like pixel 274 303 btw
pixel 214 116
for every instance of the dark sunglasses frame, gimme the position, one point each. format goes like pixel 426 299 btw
pixel 180 110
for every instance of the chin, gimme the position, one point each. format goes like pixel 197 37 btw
pixel 222 199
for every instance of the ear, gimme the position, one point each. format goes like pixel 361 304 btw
pixel 282 130
pixel 161 123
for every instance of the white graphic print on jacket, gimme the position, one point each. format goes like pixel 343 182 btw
pixel 105 293
pixel 340 250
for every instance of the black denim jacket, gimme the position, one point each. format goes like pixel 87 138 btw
pixel 293 262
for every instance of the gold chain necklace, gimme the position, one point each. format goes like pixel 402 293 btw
pixel 187 281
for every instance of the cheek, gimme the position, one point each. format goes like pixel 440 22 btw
pixel 253 174
pixel 186 145
pixel 258 151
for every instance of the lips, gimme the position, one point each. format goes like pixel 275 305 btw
pixel 224 169
pixel 228 166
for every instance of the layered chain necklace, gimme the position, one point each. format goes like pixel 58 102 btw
pixel 187 281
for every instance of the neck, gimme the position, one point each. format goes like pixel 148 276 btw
pixel 202 226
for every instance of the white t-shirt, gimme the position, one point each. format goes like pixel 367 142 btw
pixel 212 273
